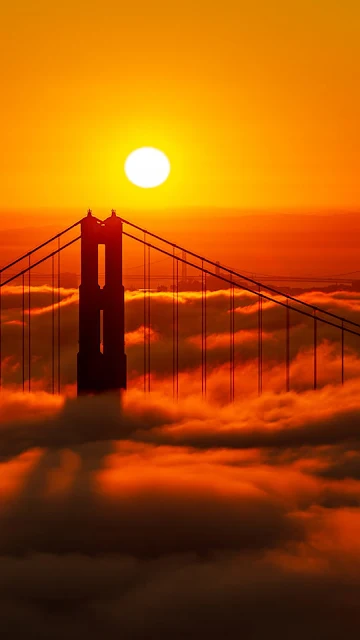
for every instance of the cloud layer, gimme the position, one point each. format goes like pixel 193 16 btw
pixel 162 347
pixel 150 519
pixel 199 518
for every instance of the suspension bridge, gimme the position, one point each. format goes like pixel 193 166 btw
pixel 96 349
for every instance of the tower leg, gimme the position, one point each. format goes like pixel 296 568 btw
pixel 114 307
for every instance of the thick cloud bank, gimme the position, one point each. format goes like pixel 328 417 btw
pixel 194 520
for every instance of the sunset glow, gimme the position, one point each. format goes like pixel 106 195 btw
pixel 180 320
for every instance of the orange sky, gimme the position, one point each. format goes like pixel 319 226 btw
pixel 255 103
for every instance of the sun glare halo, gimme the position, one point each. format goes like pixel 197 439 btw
pixel 147 167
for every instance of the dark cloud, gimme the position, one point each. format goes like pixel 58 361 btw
pixel 275 422
pixel 80 421
pixel 337 429
pixel 198 520
pixel 74 596
pixel 146 516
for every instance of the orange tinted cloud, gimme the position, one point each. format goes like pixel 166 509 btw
pixel 246 341
pixel 197 511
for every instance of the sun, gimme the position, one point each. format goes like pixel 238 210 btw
pixel 147 167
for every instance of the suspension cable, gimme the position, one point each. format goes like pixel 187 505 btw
pixel 23 332
pixel 342 354
pixel 231 336
pixel 234 273
pixel 145 318
pixel 260 350
pixel 177 328
pixel 202 332
pixel 0 335
pixel 36 264
pixel 174 320
pixel 205 368
pixel 242 286
pixel 58 319
pixel 40 246
pixel 53 324
pixel 29 324
pixel 315 351
pixel 287 350
pixel 149 324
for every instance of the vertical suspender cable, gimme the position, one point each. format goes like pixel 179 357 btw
pixel 287 346
pixel 315 350
pixel 233 342
pixel 23 333
pixel 260 344
pixel 231 334
pixel 177 328
pixel 149 321
pixel 0 334
pixel 202 329
pixel 234 358
pixel 205 335
pixel 29 326
pixel 174 319
pixel 145 315
pixel 342 353
pixel 59 336
pixel 53 324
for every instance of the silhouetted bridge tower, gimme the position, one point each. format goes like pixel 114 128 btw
pixel 101 359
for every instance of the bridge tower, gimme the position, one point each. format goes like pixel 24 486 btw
pixel 101 365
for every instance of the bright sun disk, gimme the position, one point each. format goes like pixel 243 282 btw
pixel 147 167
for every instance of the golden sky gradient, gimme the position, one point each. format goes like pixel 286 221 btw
pixel 255 103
